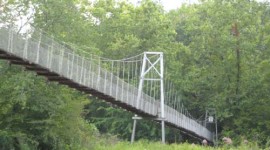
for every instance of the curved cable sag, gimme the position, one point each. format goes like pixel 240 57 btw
pixel 124 59
pixel 70 46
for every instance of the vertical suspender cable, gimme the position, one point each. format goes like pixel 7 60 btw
pixel 123 79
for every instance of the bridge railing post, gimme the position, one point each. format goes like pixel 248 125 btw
pixel 38 48
pixel 61 60
pixel 10 40
pixel 25 48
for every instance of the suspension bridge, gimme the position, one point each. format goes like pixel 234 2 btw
pixel 136 84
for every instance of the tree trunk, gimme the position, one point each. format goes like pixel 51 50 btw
pixel 236 33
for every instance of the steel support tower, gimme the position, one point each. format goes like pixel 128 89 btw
pixel 157 65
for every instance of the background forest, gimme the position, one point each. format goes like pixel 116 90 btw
pixel 217 54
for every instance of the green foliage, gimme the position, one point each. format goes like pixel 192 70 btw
pixel 210 64
pixel 209 75
pixel 37 115
pixel 146 145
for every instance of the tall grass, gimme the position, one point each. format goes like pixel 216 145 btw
pixel 146 145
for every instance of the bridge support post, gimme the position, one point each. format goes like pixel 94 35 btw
pixel 211 118
pixel 162 99
pixel 135 118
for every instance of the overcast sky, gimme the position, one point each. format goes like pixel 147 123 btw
pixel 173 4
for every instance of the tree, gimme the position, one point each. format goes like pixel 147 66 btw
pixel 222 66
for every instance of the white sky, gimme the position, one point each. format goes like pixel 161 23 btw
pixel 173 4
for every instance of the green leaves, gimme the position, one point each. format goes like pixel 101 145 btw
pixel 211 65
pixel 35 113
pixel 211 76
